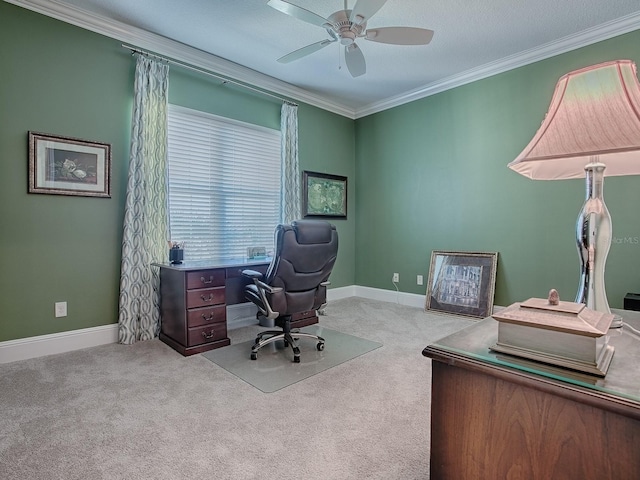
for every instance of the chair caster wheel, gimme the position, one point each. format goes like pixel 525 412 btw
pixel 296 359
pixel 320 347
pixel 254 356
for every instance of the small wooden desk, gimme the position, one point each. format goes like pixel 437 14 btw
pixel 194 299
pixel 496 416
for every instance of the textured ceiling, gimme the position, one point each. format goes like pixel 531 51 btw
pixel 470 35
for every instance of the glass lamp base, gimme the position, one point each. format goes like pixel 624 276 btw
pixel 593 239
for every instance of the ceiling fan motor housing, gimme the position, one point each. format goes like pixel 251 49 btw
pixel 345 29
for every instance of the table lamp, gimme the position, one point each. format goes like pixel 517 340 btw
pixel 592 129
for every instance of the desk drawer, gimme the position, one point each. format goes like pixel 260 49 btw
pixel 197 317
pixel 205 278
pixel 207 333
pixel 205 297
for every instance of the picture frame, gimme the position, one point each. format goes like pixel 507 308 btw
pixel 462 283
pixel 324 195
pixel 69 166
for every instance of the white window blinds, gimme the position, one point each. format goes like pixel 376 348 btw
pixel 224 184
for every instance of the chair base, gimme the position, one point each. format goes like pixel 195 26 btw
pixel 290 339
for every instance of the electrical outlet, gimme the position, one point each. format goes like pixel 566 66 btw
pixel 396 277
pixel 420 280
pixel 61 309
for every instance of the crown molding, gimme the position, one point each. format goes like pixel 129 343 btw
pixel 602 32
pixel 178 51
pixel 174 50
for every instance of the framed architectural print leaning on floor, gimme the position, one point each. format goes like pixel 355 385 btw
pixel 462 283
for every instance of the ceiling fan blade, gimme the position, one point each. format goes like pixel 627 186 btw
pixel 400 35
pixel 354 59
pixel 304 51
pixel 363 10
pixel 298 12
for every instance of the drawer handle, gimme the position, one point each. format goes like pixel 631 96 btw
pixel 207 281
pixel 207 299
pixel 207 318
pixel 208 336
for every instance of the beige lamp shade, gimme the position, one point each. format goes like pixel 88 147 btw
pixel 594 112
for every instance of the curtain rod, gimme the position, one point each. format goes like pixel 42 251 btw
pixel 207 72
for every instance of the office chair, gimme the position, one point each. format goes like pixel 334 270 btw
pixel 296 280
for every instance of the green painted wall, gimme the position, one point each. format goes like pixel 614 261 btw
pixel 328 146
pixel 432 175
pixel 59 79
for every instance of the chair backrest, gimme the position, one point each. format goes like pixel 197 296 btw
pixel 305 253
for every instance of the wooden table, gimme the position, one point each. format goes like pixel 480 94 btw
pixel 496 416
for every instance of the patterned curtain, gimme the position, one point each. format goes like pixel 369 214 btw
pixel 290 173
pixel 145 217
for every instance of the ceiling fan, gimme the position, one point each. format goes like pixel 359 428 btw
pixel 346 26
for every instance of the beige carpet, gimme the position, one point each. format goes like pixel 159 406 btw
pixel 145 412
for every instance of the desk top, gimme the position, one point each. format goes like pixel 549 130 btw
pixel 188 265
pixel 622 379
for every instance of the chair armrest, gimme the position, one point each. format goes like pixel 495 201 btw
pixel 257 277
pixel 252 274
pixel 262 288
pixel 265 287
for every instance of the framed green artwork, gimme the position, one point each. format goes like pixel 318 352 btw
pixel 324 195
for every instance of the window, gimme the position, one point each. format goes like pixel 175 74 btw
pixel 224 184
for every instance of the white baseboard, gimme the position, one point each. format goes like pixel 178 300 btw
pixel 32 347
pixel 339 293
pixel 237 316
pixel 403 298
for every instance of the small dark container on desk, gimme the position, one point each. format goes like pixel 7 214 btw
pixel 176 255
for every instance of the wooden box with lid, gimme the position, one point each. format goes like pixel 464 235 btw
pixel 566 334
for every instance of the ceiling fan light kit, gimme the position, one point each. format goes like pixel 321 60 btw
pixel 346 26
